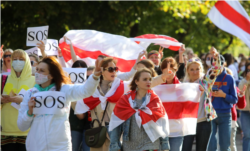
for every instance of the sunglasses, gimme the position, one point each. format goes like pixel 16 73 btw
pixel 248 70
pixel 5 56
pixel 111 69
pixel 195 59
pixel 32 62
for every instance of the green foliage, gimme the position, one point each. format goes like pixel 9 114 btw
pixel 184 20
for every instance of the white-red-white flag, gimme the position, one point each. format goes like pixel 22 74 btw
pixel 89 44
pixel 162 40
pixel 181 102
pixel 151 115
pixel 231 17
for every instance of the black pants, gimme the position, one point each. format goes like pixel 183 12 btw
pixel 203 131
pixel 13 147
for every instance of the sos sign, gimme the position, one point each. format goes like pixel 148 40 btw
pixel 77 75
pixel 33 51
pixel 35 34
pixel 49 102
pixel 50 47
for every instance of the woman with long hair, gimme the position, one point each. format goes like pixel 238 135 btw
pixel 52 131
pixel 141 130
pixel 7 60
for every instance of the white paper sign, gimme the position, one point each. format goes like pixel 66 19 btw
pixel 77 75
pixel 49 102
pixel 15 105
pixel 33 51
pixel 35 34
pixel 50 47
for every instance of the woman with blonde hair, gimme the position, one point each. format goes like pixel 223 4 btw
pixel 7 60
pixel 20 78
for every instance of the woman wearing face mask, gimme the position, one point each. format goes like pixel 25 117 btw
pixel 34 62
pixel 19 78
pixel 7 60
pixel 52 131
pixel 139 136
pixel 195 74
pixel 208 64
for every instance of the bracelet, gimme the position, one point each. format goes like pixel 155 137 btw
pixel 29 114
pixel 96 77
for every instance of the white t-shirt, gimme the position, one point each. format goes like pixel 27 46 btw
pixel 234 70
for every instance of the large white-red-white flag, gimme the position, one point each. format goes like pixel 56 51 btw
pixel 89 44
pixel 231 17
pixel 181 102
pixel 162 40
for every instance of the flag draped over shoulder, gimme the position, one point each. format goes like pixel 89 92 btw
pixel 151 115
pixel 231 17
pixel 89 44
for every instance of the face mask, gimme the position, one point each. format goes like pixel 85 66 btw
pixel 208 62
pixel 242 68
pixel 18 65
pixel 33 70
pixel 40 78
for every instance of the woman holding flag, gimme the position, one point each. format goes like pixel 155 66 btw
pixel 141 117
pixel 52 131
pixel 195 74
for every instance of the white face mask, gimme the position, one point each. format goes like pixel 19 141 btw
pixel 18 65
pixel 40 78
pixel 33 70
pixel 208 62
pixel 242 68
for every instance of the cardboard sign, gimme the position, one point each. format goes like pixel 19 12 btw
pixel 15 105
pixel 33 51
pixel 50 48
pixel 35 34
pixel 77 75
pixel 49 102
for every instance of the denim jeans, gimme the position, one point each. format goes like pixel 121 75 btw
pixel 76 140
pixel 176 143
pixel 84 145
pixel 223 122
pixel 245 125
pixel 203 131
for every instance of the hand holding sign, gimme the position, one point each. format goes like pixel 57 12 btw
pixel 41 46
pixel 182 49
pixel 36 34
pixel 48 102
pixel 1 52
pixel 31 104
pixel 50 48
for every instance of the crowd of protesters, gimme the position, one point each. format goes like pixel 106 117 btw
pixel 229 94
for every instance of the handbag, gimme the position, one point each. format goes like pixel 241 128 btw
pixel 95 137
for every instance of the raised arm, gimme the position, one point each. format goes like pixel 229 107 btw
pixel 60 57
pixel 41 46
pixel 81 91
pixel 128 75
pixel 72 51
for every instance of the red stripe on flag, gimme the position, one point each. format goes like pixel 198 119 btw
pixel 231 14
pixel 124 65
pixel 178 110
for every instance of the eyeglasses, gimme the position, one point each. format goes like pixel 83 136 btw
pixel 111 69
pixel 5 56
pixel 194 59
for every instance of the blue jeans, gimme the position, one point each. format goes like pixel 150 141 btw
pixel 76 140
pixel 203 131
pixel 176 143
pixel 84 145
pixel 245 125
pixel 223 122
